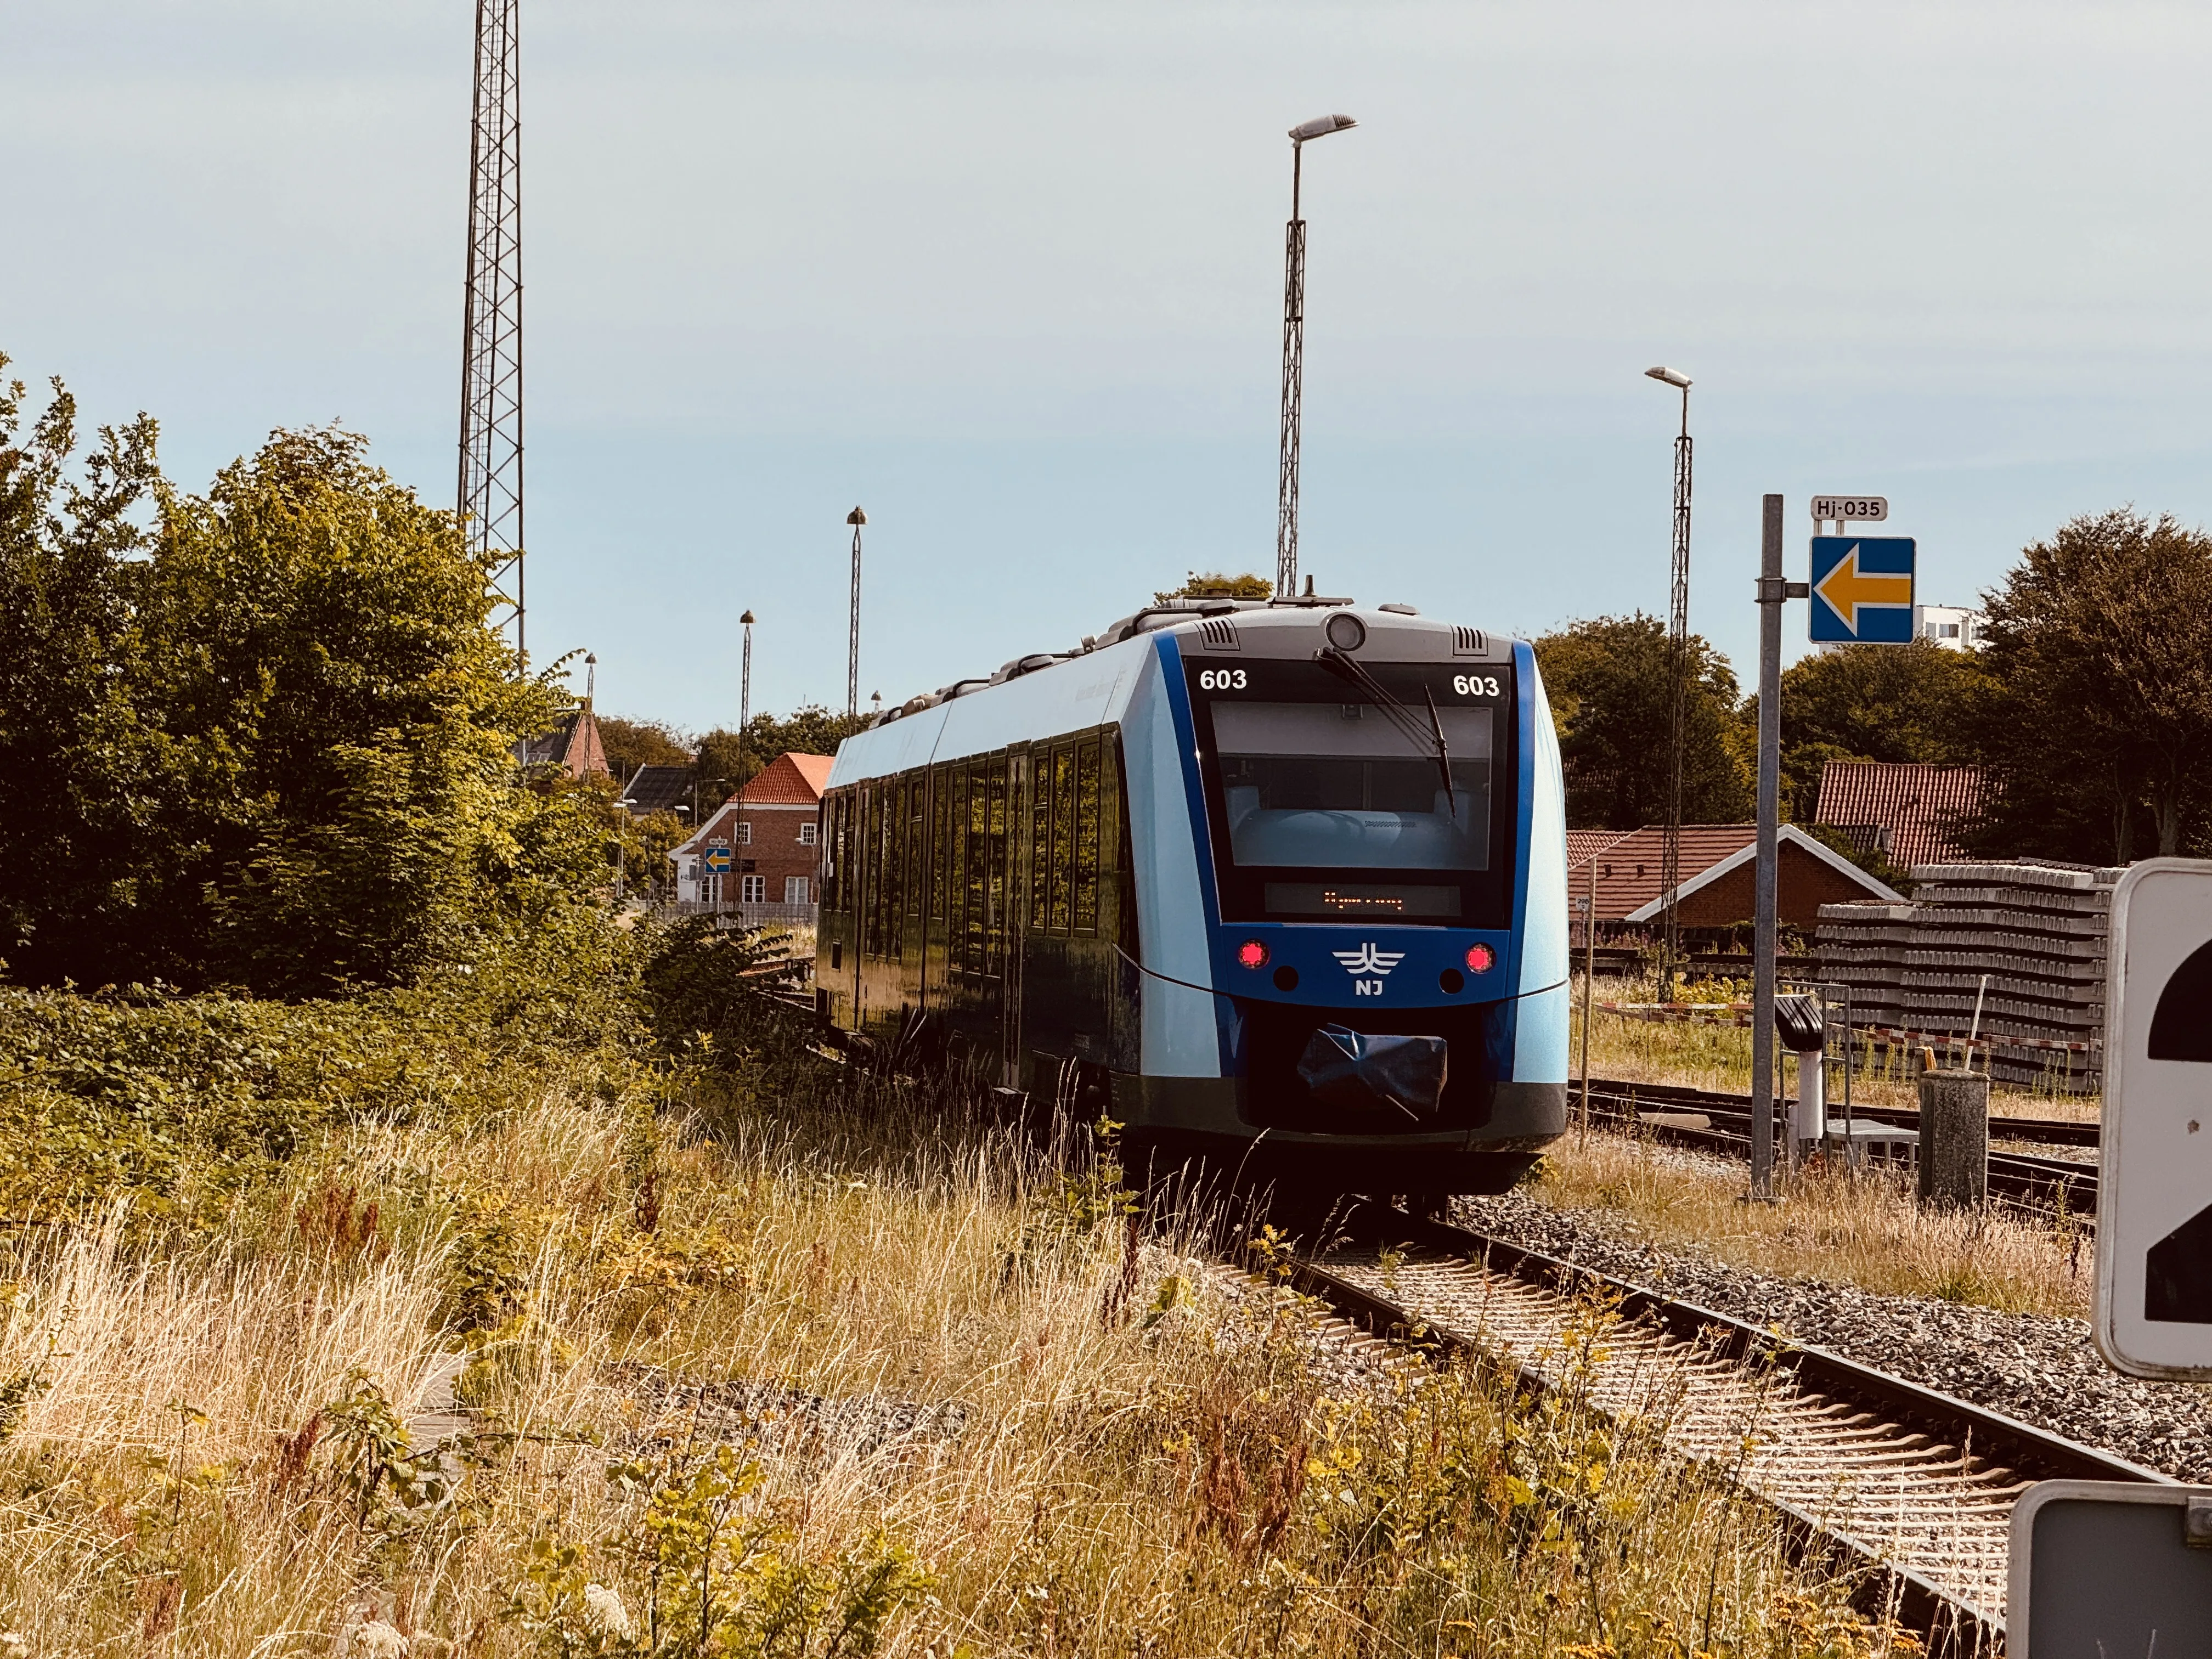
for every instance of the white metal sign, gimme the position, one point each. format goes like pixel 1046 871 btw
pixel 1871 508
pixel 2154 1181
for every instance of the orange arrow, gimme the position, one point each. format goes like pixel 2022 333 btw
pixel 1846 590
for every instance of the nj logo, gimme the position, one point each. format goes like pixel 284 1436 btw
pixel 1368 960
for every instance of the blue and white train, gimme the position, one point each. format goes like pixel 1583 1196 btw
pixel 1279 884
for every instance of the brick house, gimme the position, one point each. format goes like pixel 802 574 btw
pixel 769 832
pixel 572 745
pixel 1717 872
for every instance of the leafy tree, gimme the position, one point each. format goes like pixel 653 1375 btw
pixel 2097 721
pixel 268 742
pixel 632 744
pixel 1880 702
pixel 79 772
pixel 318 648
pixel 1213 585
pixel 813 730
pixel 1610 683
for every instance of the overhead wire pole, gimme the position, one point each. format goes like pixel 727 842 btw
pixel 1678 693
pixel 1294 352
pixel 856 519
pixel 489 496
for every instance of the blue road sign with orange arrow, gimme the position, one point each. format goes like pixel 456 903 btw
pixel 1863 590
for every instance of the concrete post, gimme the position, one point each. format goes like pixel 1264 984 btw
pixel 1955 1137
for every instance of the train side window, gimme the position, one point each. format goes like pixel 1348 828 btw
pixel 917 843
pixel 1040 838
pixel 956 808
pixel 1063 836
pixel 940 840
pixel 994 856
pixel 975 865
pixel 865 877
pixel 1087 838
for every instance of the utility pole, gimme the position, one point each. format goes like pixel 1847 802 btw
pixel 1294 353
pixel 856 519
pixel 490 498
pixel 1772 592
pixel 1678 692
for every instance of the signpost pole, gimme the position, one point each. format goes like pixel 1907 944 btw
pixel 1772 590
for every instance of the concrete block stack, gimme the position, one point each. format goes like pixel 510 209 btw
pixel 1864 947
pixel 2036 930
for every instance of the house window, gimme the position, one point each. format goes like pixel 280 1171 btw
pixel 794 889
pixel 755 891
pixel 744 833
pixel 807 833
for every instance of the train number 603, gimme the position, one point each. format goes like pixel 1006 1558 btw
pixel 1222 679
pixel 1474 685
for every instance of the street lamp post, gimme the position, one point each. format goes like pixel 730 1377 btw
pixel 856 519
pixel 1678 692
pixel 745 705
pixel 1294 352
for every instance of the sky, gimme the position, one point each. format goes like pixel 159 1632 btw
pixel 1009 276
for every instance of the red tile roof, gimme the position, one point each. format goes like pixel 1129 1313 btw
pixel 1628 864
pixel 790 780
pixel 1582 843
pixel 1920 807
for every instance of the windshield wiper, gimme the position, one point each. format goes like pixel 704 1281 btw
pixel 1444 754
pixel 1398 712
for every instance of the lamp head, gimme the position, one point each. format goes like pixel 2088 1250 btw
pixel 856 517
pixel 1320 127
pixel 1672 377
pixel 747 619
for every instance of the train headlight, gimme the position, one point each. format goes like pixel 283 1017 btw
pixel 1251 954
pixel 1480 959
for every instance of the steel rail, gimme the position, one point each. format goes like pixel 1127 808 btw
pixel 1915 1485
pixel 2049 1132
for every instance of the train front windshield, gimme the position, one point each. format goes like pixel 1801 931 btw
pixel 1335 800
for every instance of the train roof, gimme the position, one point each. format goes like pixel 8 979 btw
pixel 978 715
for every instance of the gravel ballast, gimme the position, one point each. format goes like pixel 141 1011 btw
pixel 2042 1371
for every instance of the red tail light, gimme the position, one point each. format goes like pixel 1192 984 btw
pixel 1480 959
pixel 1252 954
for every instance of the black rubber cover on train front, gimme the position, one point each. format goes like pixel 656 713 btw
pixel 1397 1077
pixel 1275 1037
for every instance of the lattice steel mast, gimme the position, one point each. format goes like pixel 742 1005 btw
pixel 1294 353
pixel 856 519
pixel 1678 653
pixel 490 493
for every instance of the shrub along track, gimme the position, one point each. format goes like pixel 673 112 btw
pixel 1915 1485
pixel 2025 1179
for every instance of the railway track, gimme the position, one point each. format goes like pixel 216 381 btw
pixel 1914 1486
pixel 2034 1131
pixel 2030 1180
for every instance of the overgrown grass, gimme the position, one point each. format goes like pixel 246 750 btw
pixel 768 1360
pixel 1713 1055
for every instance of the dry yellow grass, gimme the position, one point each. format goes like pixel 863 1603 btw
pixel 1140 1462
pixel 1861 1229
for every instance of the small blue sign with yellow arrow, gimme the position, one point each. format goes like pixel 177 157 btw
pixel 1863 590
pixel 718 860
